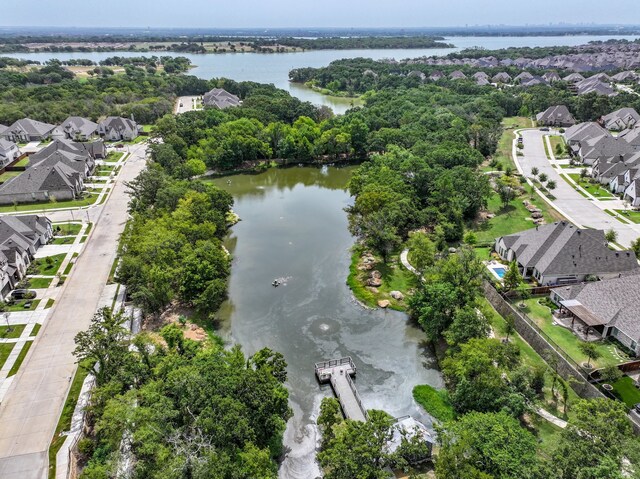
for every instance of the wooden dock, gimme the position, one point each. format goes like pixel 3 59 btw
pixel 338 372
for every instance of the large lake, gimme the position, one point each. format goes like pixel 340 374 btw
pixel 294 226
pixel 274 68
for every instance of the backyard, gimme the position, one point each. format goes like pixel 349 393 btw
pixel 567 341
pixel 626 391
pixel 512 218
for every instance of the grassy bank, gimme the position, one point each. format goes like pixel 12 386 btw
pixel 435 401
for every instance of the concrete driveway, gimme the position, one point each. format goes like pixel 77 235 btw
pixel 32 405
pixel 571 204
pixel 186 103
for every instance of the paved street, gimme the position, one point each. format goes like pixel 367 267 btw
pixel 569 202
pixel 34 400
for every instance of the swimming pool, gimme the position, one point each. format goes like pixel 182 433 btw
pixel 500 272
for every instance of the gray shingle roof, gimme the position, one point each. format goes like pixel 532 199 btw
pixel 562 249
pixel 76 125
pixel 556 115
pixel 615 301
pixel 30 127
pixel 220 98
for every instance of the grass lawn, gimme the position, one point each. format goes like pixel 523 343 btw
pixel 49 265
pixel 515 217
pixel 15 332
pixel 595 189
pixel 50 302
pixel 7 175
pixel 633 216
pixel 503 153
pixel 19 305
pixel 39 283
pixel 555 141
pixel 64 240
pixel 35 330
pixel 435 401
pixel 67 229
pixel 49 205
pixel 114 156
pixel 67 270
pixel 20 358
pixel 5 350
pixel 625 390
pixel 23 162
pixel 531 358
pixel 394 278
pixel 64 423
pixel 483 253
pixel 566 340
pixel 570 166
pixel 546 147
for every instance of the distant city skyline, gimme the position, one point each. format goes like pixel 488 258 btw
pixel 313 13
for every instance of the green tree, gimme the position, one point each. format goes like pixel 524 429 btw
pixel 512 278
pixel 468 323
pixel 103 348
pixel 543 177
pixel 422 251
pixel 590 350
pixel 611 236
pixel 484 446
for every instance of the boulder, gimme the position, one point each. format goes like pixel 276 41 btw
pixel 536 215
pixel 397 295
pixel 376 274
pixel 384 303
pixel 375 282
pixel 452 250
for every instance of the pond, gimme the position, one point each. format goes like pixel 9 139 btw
pixel 294 228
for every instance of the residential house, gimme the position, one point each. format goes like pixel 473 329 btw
pixel 626 76
pixel 502 77
pixel 220 99
pixel 610 307
pixel 558 115
pixel 9 152
pixel 605 146
pixel 621 119
pixel 560 253
pixel 523 77
pixel 116 128
pixel 457 75
pixel 576 134
pixel 26 130
pixel 551 77
pixel 436 75
pixel 417 74
pixel 573 78
pixel 77 129
pixel 87 152
pixel 3 128
pixel 632 137
pixel 20 238
pixel 41 184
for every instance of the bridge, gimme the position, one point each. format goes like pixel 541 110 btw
pixel 338 372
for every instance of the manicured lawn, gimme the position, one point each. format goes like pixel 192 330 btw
pixel 35 330
pixel 67 228
pixel 555 141
pixel 503 153
pixel 114 156
pixel 435 401
pixel 633 216
pixel 47 266
pixel 533 360
pixel 7 175
pixel 39 283
pixel 5 350
pixel 67 270
pixel 64 423
pixel 50 302
pixel 22 162
pixel 483 253
pixel 12 331
pixel 546 147
pixel 625 390
pixel 595 189
pixel 49 205
pixel 566 340
pixel 19 305
pixel 20 358
pixel 64 240
pixel 515 217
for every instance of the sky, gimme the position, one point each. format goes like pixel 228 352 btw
pixel 312 13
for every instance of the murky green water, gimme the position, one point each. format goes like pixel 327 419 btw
pixel 294 226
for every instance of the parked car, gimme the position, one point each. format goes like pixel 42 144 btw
pixel 19 293
pixel 546 128
pixel 637 408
